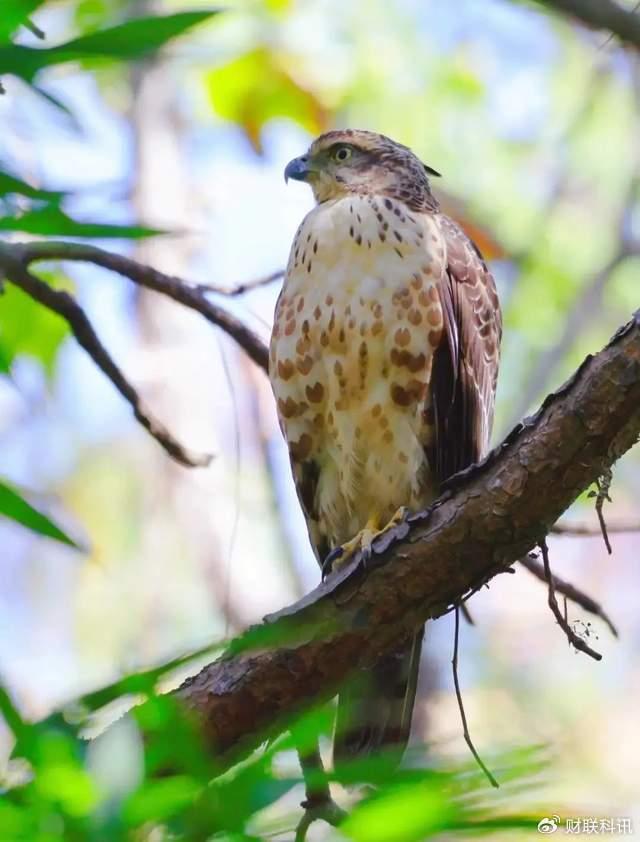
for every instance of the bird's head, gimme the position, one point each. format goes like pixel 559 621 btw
pixel 340 163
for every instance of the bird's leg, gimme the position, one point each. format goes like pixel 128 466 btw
pixel 361 542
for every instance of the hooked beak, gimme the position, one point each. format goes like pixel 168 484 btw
pixel 298 169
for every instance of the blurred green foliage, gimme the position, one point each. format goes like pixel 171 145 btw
pixel 27 329
pixel 55 789
pixel 547 214
pixel 15 13
pixel 35 211
pixel 133 39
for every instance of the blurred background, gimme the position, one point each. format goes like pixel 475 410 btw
pixel 533 121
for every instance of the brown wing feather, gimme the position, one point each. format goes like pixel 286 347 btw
pixel 465 366
pixel 305 476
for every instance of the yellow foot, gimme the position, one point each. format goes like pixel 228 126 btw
pixel 361 543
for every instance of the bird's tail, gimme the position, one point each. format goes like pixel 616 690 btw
pixel 375 709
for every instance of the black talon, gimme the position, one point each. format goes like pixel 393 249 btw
pixel 332 557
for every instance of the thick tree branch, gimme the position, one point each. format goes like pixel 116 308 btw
pixel 601 14
pixel 488 516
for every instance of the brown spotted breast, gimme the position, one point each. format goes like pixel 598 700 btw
pixel 355 329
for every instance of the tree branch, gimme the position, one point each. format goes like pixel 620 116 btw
pixel 561 619
pixel 601 14
pixel 488 516
pixel 243 288
pixel 68 308
pixel 568 590
pixel 179 290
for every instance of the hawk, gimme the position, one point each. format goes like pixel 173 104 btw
pixel 383 361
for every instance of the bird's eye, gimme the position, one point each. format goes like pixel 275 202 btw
pixel 342 153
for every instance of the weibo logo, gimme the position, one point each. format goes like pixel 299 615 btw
pixel 548 824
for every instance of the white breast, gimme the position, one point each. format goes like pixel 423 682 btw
pixel 355 328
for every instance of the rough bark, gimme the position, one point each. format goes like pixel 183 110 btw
pixel 488 517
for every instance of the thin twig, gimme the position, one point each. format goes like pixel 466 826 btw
pixel 603 484
pixel 573 638
pixel 68 308
pixel 241 289
pixel 35 30
pixel 467 737
pixel 173 287
pixel 467 614
pixel 570 591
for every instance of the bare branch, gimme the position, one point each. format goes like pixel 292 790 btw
pixel 176 288
pixel 601 14
pixel 463 716
pixel 487 517
pixel 241 289
pixel 569 591
pixel 34 29
pixel 603 484
pixel 68 308
pixel 572 637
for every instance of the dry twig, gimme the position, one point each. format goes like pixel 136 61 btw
pixel 569 591
pixel 68 308
pixel 603 484
pixel 145 276
pixel 241 289
pixel 572 637
pixel 465 727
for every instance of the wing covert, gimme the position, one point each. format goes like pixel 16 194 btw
pixel 465 365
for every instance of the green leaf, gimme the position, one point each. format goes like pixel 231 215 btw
pixel 15 13
pixel 258 86
pixel 69 786
pixel 15 507
pixel 159 800
pixel 27 328
pixel 130 40
pixel 10 184
pixel 10 714
pixel 402 814
pixel 144 681
pixel 15 822
pixel 53 221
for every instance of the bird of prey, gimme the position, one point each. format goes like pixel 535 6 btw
pixel 383 361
